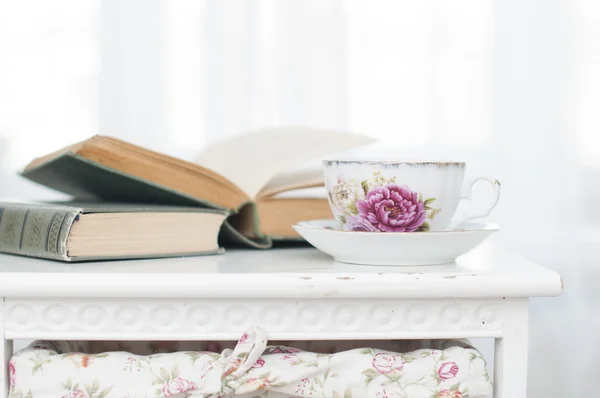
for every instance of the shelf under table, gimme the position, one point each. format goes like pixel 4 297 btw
pixel 295 294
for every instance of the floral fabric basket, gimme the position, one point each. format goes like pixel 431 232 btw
pixel 251 369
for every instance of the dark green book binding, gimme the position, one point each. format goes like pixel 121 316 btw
pixel 44 230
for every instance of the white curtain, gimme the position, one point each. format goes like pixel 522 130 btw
pixel 511 86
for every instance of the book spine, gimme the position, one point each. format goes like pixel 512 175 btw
pixel 36 231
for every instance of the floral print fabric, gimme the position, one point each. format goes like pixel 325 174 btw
pixel 251 369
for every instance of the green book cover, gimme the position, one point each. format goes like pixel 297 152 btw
pixel 42 229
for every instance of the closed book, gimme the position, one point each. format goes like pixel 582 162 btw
pixel 78 231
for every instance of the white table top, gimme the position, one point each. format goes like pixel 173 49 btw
pixel 279 273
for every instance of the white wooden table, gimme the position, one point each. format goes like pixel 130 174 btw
pixel 295 294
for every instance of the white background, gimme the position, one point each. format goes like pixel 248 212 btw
pixel 510 86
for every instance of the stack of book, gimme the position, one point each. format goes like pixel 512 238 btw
pixel 131 202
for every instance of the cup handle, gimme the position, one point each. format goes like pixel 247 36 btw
pixel 467 193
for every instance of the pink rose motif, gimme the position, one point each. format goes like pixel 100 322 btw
pixel 291 359
pixel 449 394
pixel 12 374
pixel 448 370
pixel 259 363
pixel 383 394
pixel 393 208
pixel 243 338
pixel 358 223
pixel 75 394
pixel 178 385
pixel 387 363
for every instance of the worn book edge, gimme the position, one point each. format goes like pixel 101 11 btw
pixel 37 175
pixel 36 230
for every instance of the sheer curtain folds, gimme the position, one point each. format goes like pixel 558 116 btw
pixel 510 86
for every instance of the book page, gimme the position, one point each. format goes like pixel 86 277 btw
pixel 302 193
pixel 293 180
pixel 251 160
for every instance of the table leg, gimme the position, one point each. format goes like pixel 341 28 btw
pixel 511 351
pixel 6 351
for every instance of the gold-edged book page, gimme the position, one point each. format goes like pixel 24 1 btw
pixel 144 233
pixel 278 215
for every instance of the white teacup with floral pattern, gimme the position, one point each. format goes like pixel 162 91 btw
pixel 387 196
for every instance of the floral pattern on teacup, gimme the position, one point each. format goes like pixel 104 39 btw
pixel 346 193
pixel 380 205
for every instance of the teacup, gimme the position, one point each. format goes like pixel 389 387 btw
pixel 388 196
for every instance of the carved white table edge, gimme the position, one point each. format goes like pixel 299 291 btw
pixel 294 294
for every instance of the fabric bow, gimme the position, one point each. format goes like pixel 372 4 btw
pixel 248 350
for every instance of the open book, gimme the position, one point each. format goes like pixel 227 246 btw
pixel 242 175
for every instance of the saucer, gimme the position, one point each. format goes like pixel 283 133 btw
pixel 393 248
